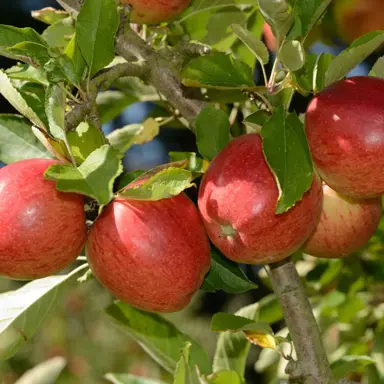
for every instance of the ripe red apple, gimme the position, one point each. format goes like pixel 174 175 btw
pixel 237 201
pixel 269 38
pixel 155 11
pixel 42 230
pixel 151 254
pixel 345 131
pixel 345 225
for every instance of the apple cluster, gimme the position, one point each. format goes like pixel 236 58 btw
pixel 151 254
pixel 337 216
pixel 154 254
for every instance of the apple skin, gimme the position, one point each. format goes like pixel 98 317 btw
pixel 155 11
pixel 42 230
pixel 237 201
pixel 345 225
pixel 152 255
pixel 345 129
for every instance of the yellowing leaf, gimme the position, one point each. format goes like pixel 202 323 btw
pixel 260 339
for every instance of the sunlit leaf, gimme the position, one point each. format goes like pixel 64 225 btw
pixel 23 311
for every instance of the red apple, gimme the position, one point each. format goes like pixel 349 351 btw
pixel 42 230
pixel 345 130
pixel 345 225
pixel 237 201
pixel 155 11
pixel 151 254
pixel 269 37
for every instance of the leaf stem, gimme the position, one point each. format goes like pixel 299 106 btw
pixel 166 121
pixel 264 74
pixel 69 94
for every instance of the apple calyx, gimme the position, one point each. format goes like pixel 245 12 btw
pixel 227 231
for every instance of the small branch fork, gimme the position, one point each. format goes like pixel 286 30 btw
pixel 102 82
pixel 160 70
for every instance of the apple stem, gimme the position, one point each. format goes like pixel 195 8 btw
pixel 313 366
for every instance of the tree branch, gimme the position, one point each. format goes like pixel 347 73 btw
pixel 312 365
pixel 162 75
pixel 103 81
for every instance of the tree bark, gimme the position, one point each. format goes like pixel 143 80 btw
pixel 312 366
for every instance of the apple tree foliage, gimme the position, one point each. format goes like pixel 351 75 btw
pixel 75 76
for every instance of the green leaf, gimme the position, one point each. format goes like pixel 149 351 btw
pixel 56 67
pixel 185 372
pixel 269 310
pixel 217 70
pixel 94 177
pixel 212 131
pixel 23 311
pixel 286 150
pixel 14 97
pixel 17 141
pixel 378 68
pixel 34 95
pixel 350 308
pixel 55 109
pixel 278 14
pixel 332 272
pixel 96 27
pixel 195 164
pixel 127 178
pixel 222 322
pixel 115 378
pixel 39 56
pixel 218 28
pixel 27 72
pixel 44 373
pixel 358 51
pixel 257 47
pixel 378 351
pixel 59 34
pixel 49 15
pixel 320 69
pixel 158 337
pixel 308 13
pixel 292 55
pixel 331 301
pixel 122 139
pixel 226 275
pixel 111 103
pixel 224 377
pixel 32 53
pixel 349 364
pixel 78 62
pixel 257 120
pixel 84 140
pixel 10 36
pixel 232 348
pixel 254 25
pixel 167 183
pixel 303 79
